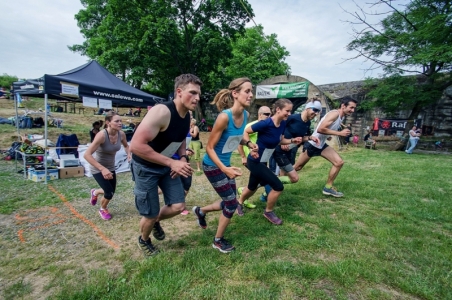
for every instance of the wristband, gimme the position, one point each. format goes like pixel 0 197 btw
pixel 186 157
pixel 246 144
pixel 291 141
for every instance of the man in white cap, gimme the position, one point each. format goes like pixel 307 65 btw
pixel 330 124
pixel 297 125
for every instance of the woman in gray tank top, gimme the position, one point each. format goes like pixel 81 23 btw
pixel 101 156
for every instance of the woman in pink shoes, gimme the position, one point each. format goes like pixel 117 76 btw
pixel 101 156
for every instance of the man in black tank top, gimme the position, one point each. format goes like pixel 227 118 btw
pixel 161 134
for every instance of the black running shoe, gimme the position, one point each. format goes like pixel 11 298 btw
pixel 147 247
pixel 201 219
pixel 223 246
pixel 158 232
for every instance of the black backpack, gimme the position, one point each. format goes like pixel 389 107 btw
pixel 11 152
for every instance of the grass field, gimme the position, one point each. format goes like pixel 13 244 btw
pixel 390 237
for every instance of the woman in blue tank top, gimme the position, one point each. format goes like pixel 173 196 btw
pixel 226 135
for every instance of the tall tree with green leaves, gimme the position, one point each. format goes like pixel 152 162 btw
pixel 254 55
pixel 7 80
pixel 413 39
pixel 152 41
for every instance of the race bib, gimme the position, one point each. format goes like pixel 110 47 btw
pixel 266 155
pixel 231 143
pixel 171 149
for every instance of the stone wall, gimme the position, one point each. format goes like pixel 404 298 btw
pixel 438 116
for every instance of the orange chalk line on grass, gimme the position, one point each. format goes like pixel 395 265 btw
pixel 85 220
pixel 21 231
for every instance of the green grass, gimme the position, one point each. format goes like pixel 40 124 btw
pixel 388 238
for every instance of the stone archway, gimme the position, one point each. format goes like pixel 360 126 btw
pixel 313 91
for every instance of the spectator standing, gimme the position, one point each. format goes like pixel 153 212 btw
pixel 94 130
pixel 414 138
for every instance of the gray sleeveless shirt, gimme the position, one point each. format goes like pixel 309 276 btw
pixel 336 125
pixel 105 154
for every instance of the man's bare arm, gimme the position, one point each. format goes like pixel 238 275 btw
pixel 329 119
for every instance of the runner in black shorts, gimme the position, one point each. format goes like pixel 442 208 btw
pixel 330 124
pixel 298 125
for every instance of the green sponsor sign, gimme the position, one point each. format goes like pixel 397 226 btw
pixel 285 90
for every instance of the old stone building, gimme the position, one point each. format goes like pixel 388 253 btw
pixel 436 119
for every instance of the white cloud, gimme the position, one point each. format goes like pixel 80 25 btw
pixel 35 36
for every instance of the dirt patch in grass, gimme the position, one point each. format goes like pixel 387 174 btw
pixel 48 245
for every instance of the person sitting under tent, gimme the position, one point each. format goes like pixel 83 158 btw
pixel 129 112
pixel 137 112
pixel 3 94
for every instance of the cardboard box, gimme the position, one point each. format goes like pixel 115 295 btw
pixel 39 176
pixel 70 172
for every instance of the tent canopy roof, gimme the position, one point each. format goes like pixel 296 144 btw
pixel 94 81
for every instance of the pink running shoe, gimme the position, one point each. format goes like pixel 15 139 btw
pixel 104 214
pixel 93 199
pixel 185 212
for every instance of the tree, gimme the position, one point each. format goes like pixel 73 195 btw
pixel 152 41
pixel 254 55
pixel 415 39
pixel 6 81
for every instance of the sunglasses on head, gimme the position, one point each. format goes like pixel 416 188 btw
pixel 315 110
pixel 266 114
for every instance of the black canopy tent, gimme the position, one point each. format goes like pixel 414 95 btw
pixel 90 80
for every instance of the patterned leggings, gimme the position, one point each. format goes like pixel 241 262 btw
pixel 225 187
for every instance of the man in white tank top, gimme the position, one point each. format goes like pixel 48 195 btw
pixel 330 124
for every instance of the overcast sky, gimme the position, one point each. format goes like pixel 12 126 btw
pixel 35 36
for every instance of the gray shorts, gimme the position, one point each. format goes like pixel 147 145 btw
pixel 283 159
pixel 147 181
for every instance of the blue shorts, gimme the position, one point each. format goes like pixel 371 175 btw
pixel 147 181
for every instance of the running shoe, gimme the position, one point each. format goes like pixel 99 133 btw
pixel 147 247
pixel 240 210
pixel 185 212
pixel 332 192
pixel 239 192
pixel 222 245
pixel 201 217
pixel 248 204
pixel 93 199
pixel 263 197
pixel 104 214
pixel 271 216
pixel 158 232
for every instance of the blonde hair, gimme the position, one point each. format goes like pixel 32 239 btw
pixel 224 98
pixel 109 116
pixel 193 121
